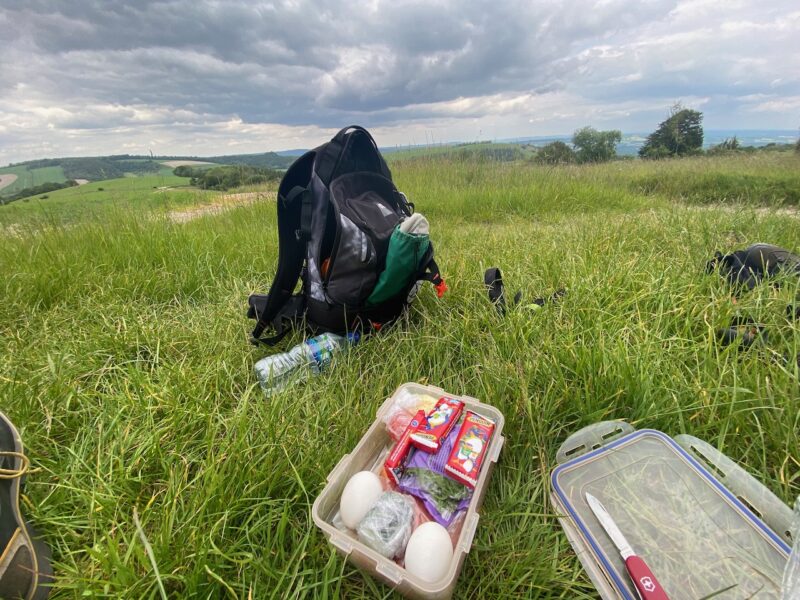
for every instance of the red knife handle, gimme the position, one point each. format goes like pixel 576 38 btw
pixel 646 583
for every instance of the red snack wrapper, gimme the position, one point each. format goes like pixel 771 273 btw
pixel 466 458
pixel 393 466
pixel 437 425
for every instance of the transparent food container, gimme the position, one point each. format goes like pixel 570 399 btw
pixel 369 455
pixel 699 538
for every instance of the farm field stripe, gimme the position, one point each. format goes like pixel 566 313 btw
pixel 6 180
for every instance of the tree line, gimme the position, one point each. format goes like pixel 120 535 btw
pixel 226 177
pixel 680 134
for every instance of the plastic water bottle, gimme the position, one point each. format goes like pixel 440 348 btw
pixel 310 357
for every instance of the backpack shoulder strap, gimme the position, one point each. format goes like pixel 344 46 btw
pixel 294 228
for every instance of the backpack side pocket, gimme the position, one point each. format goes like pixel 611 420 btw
pixel 403 257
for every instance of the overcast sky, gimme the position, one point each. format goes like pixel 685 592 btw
pixel 217 77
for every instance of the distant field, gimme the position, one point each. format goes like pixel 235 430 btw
pixel 7 179
pixel 484 150
pixel 159 469
pixel 166 172
pixel 28 178
pixel 185 163
pixel 98 198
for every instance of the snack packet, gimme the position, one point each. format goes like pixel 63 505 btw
pixel 472 442
pixel 437 425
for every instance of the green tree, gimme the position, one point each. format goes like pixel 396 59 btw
pixel 226 177
pixel 680 134
pixel 595 146
pixel 555 153
pixel 183 171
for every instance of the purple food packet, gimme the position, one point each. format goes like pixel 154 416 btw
pixel 424 478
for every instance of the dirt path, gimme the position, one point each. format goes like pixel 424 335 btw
pixel 185 163
pixel 7 179
pixel 762 211
pixel 219 205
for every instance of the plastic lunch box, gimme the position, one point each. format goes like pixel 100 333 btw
pixel 369 455
pixel 704 526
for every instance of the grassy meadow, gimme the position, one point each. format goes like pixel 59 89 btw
pixel 160 469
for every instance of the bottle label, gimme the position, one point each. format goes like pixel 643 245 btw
pixel 322 348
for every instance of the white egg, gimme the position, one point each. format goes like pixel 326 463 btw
pixel 429 552
pixel 360 493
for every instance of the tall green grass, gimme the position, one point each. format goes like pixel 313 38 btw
pixel 769 179
pixel 126 366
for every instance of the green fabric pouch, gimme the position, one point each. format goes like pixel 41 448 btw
pixel 405 252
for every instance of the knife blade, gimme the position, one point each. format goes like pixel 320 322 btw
pixel 643 579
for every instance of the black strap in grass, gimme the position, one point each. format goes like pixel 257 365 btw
pixel 493 279
pixel 289 317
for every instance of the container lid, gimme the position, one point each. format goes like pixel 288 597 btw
pixel 697 538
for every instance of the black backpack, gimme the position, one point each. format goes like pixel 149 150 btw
pixel 337 210
pixel 747 268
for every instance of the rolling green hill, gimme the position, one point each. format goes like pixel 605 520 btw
pixel 96 168
pixel 30 176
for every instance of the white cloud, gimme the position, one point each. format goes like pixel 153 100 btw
pixel 789 104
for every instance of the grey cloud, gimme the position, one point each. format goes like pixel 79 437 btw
pixel 111 64
pixel 510 47
pixel 269 63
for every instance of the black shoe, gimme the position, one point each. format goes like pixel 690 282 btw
pixel 25 570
